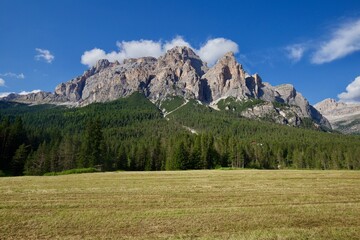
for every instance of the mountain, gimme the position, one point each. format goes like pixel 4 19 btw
pixel 344 117
pixel 180 72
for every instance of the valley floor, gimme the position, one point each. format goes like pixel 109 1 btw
pixel 208 204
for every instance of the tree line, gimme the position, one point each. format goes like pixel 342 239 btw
pixel 131 134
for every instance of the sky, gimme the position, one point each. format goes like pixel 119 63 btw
pixel 312 44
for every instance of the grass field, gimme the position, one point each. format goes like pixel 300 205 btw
pixel 237 204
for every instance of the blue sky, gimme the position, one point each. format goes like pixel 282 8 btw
pixel 314 45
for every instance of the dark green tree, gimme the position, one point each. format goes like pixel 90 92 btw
pixel 18 160
pixel 92 152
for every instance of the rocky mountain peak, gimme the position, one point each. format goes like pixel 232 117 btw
pixel 101 64
pixel 257 78
pixel 329 104
pixel 342 116
pixel 287 92
pixel 226 78
pixel 228 57
pixel 139 60
pixel 183 51
pixel 177 54
pixel 180 55
pixel 179 72
pixel 228 62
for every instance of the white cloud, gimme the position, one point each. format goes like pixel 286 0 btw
pixel 92 56
pixel 295 52
pixel 344 41
pixel 2 82
pixel 209 52
pixel 25 92
pixel 141 48
pixel 44 54
pixel 215 48
pixel 177 41
pixel 131 49
pixel 352 93
pixel 13 75
pixel 4 94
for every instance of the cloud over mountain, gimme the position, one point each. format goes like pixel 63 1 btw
pixel 177 41
pixel 352 93
pixel 26 92
pixel 215 48
pixel 212 50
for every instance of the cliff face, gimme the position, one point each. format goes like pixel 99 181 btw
pixel 226 78
pixel 344 117
pixel 180 72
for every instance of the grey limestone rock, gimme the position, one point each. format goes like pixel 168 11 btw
pixel 226 79
pixel 179 72
pixel 344 117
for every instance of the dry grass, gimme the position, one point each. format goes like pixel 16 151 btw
pixel 247 204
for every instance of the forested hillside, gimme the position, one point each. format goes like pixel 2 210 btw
pixel 132 134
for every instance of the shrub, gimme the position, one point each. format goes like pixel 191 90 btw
pixel 72 171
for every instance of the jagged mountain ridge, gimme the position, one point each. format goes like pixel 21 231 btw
pixel 180 72
pixel 344 117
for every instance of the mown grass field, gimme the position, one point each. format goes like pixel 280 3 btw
pixel 237 204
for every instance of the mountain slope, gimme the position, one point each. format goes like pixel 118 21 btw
pixel 180 72
pixel 132 134
pixel 344 117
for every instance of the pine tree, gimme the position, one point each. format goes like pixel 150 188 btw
pixel 92 148
pixel 196 154
pixel 121 160
pixel 67 153
pixel 18 160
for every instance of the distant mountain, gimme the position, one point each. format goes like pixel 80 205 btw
pixel 344 117
pixel 180 72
